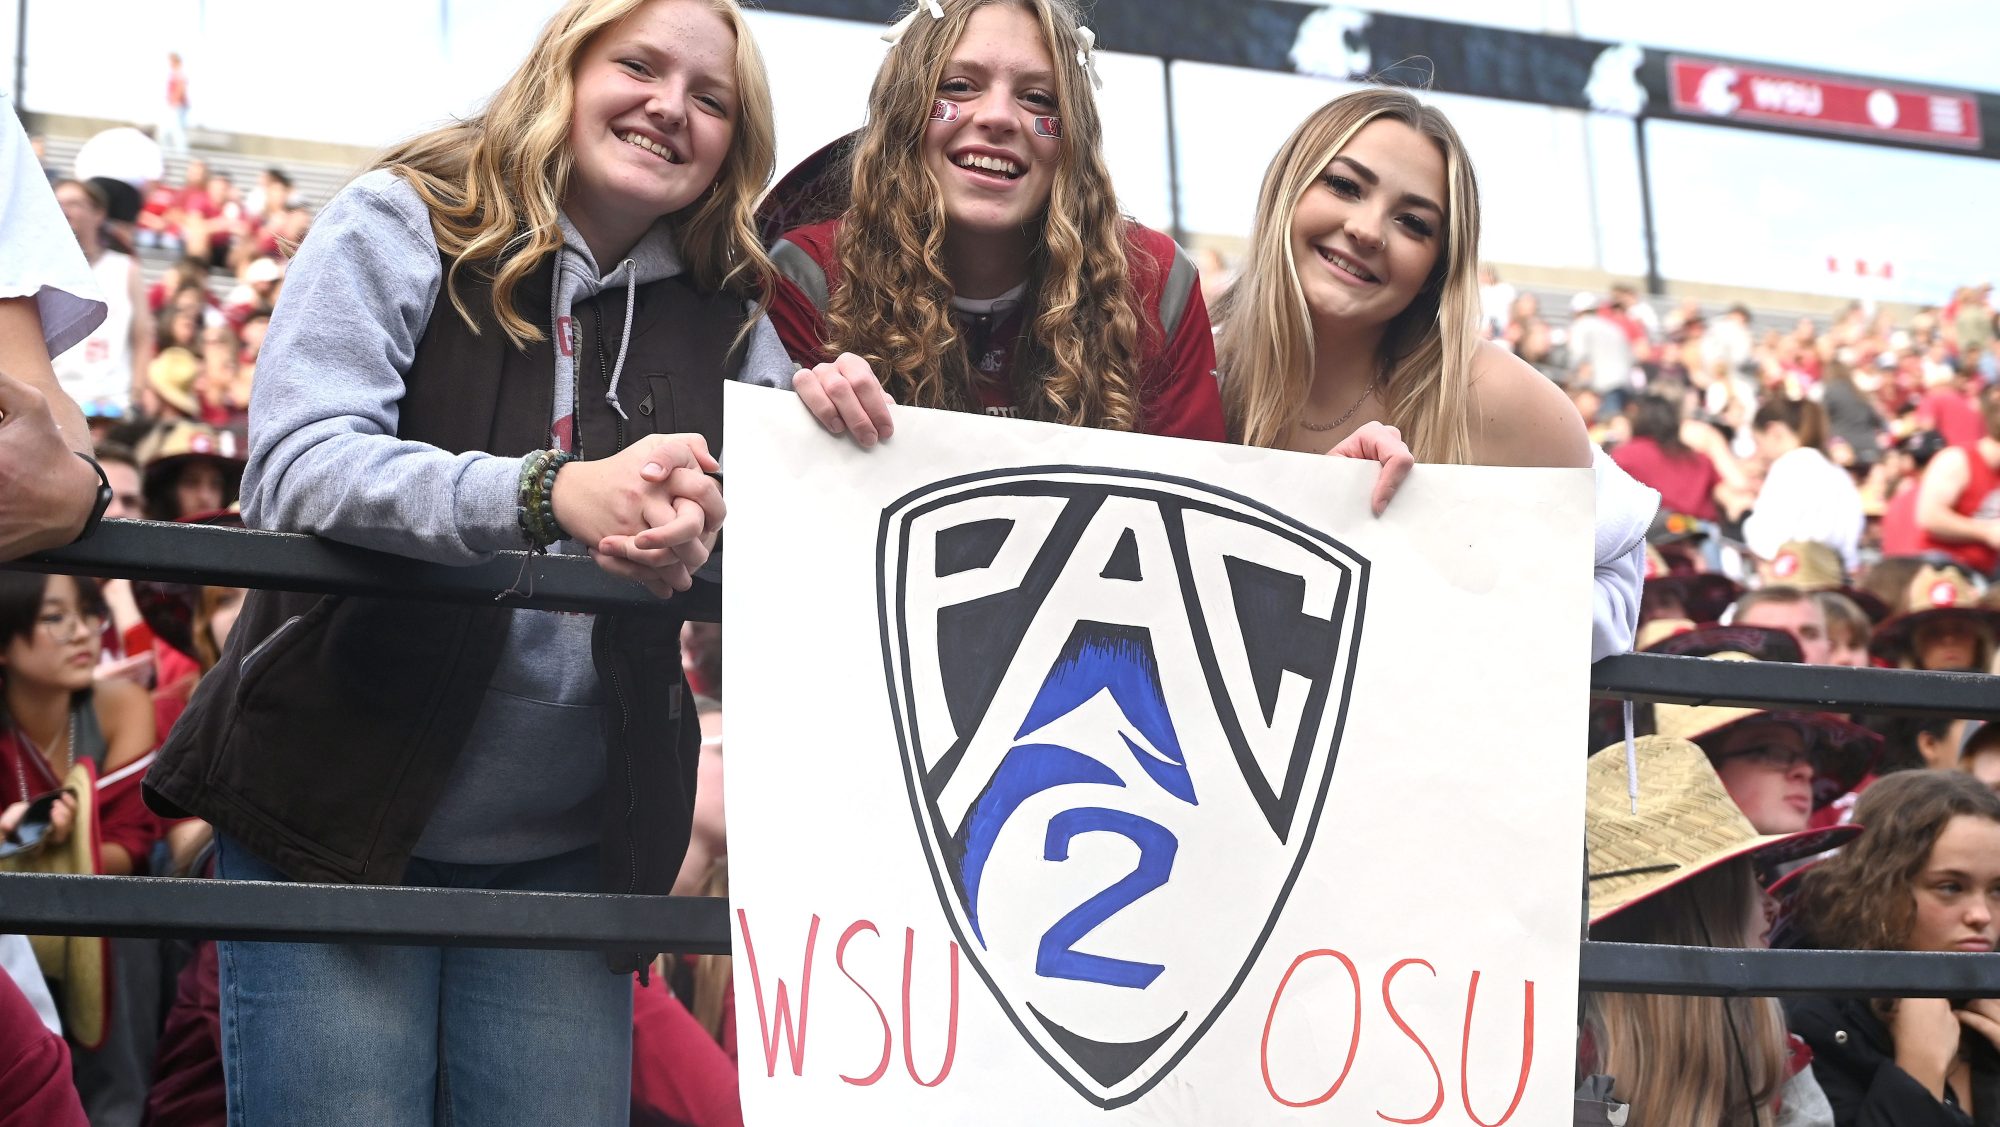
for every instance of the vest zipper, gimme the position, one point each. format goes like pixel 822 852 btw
pixel 285 627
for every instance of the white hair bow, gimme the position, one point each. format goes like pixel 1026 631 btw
pixel 896 30
pixel 1086 55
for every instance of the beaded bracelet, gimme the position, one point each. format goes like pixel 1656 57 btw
pixel 535 506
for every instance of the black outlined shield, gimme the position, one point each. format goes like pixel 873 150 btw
pixel 1119 698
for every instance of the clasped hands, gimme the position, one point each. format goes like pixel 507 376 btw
pixel 649 513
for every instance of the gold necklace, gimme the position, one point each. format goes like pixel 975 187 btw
pixel 1344 415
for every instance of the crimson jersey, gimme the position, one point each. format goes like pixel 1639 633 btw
pixel 1177 389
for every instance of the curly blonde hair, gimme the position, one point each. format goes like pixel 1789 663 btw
pixel 494 182
pixel 1078 358
pixel 1265 347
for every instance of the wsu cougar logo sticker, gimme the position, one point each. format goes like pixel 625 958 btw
pixel 1119 698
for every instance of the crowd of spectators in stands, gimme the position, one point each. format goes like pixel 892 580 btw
pixel 191 279
pixel 1832 496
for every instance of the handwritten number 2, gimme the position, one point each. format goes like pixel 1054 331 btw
pixel 1057 957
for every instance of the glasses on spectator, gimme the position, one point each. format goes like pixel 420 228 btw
pixel 1778 757
pixel 62 625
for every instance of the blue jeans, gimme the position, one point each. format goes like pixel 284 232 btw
pixel 320 1034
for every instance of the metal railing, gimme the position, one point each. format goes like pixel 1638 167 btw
pixel 149 906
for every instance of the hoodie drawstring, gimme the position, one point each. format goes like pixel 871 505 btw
pixel 1631 760
pixel 631 270
pixel 624 338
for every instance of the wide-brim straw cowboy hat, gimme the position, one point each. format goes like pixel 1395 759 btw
pixel 1935 593
pixel 78 966
pixel 1685 825
pixel 1842 751
pixel 1812 566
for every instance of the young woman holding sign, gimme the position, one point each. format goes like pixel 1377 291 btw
pixel 511 335
pixel 1353 328
pixel 982 263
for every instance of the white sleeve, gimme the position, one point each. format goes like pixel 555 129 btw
pixel 1785 492
pixel 17 961
pixel 1625 511
pixel 42 259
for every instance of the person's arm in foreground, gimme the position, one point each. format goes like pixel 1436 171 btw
pixel 46 492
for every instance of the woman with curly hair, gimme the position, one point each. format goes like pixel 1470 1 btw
pixel 1925 876
pixel 981 263
pixel 1355 320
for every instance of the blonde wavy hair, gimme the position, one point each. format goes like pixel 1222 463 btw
pixel 1684 1060
pixel 1265 350
pixel 494 182
pixel 1078 359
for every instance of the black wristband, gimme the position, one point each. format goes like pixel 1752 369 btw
pixel 104 495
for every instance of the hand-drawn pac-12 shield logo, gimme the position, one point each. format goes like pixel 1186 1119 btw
pixel 1120 698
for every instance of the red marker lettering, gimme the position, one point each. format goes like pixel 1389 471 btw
pixel 795 1039
pixel 951 1021
pixel 840 960
pixel 1353 1043
pixel 1465 1053
pixel 1390 1005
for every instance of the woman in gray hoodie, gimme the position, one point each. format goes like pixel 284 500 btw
pixel 512 334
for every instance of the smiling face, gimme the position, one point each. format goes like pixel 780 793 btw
pixel 993 168
pixel 655 113
pixel 1958 888
pixel 1367 234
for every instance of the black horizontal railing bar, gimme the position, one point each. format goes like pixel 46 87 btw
pixel 48 904
pixel 43 904
pixel 1661 679
pixel 278 561
pixel 1645 968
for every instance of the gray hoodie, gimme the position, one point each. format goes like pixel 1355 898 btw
pixel 324 459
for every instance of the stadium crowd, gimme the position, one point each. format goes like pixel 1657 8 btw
pixel 1831 495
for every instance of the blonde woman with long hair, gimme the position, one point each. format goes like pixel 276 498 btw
pixel 512 334
pixel 1353 327
pixel 981 263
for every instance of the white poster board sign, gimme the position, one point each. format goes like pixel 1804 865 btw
pixel 1088 778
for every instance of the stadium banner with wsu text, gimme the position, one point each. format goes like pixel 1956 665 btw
pixel 1090 778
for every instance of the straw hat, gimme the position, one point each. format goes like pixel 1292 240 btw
pixel 1658 630
pixel 172 445
pixel 1686 825
pixel 1808 565
pixel 172 375
pixel 77 965
pixel 1842 751
pixel 1935 592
